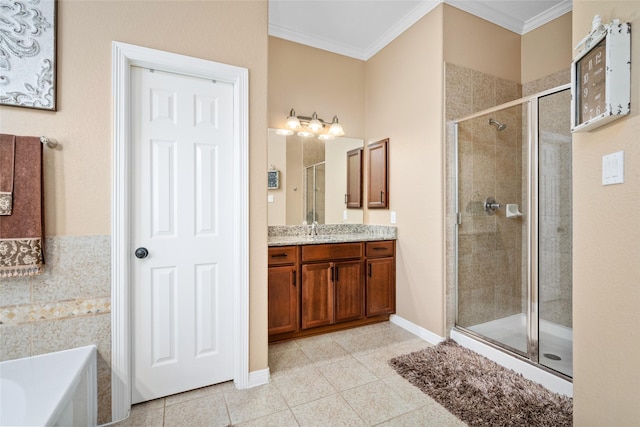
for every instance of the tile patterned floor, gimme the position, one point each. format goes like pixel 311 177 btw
pixel 337 379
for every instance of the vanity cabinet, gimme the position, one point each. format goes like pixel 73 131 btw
pixel 333 287
pixel 381 278
pixel 348 290
pixel 377 177
pixel 332 284
pixel 283 290
pixel 317 295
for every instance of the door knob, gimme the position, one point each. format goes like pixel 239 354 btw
pixel 141 253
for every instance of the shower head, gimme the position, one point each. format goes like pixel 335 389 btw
pixel 498 125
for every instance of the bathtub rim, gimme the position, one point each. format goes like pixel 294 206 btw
pixel 51 398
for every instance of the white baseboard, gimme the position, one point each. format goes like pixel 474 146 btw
pixel 548 380
pixel 421 332
pixel 257 378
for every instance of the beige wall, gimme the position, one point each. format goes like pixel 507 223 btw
pixel 277 157
pixel 78 176
pixel 335 182
pixel 310 79
pixel 547 49
pixel 404 103
pixel 606 272
pixel 474 43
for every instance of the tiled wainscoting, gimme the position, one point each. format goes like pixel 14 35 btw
pixel 67 306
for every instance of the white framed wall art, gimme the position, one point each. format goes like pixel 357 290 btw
pixel 28 53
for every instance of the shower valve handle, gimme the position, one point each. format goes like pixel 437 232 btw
pixel 490 205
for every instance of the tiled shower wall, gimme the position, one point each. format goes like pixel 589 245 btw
pixel 67 306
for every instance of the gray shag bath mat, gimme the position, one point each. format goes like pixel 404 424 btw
pixel 479 391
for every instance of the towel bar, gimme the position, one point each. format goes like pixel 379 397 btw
pixel 49 142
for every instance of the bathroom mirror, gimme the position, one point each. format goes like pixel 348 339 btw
pixel 312 180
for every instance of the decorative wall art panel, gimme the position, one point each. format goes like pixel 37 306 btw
pixel 28 53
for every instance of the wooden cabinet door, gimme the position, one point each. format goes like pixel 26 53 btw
pixel 378 192
pixel 283 299
pixel 317 295
pixel 349 291
pixel 354 178
pixel 381 286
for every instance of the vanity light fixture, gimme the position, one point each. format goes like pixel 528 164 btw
pixel 336 128
pixel 311 126
pixel 292 121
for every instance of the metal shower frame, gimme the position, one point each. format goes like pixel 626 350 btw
pixel 532 328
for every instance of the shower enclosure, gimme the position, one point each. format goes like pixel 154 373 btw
pixel 513 228
pixel 314 194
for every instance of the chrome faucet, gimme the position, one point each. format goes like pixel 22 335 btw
pixel 314 229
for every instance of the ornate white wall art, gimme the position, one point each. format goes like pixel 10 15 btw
pixel 28 53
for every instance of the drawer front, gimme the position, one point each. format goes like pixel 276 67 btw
pixel 280 255
pixel 380 249
pixel 331 252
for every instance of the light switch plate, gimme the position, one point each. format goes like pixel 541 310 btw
pixel 270 198
pixel 393 218
pixel 613 168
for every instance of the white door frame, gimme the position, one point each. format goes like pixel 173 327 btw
pixel 124 56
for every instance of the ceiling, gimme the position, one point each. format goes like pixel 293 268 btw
pixel 360 28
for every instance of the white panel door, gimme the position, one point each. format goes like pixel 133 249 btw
pixel 182 215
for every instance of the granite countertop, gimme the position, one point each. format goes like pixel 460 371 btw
pixel 338 233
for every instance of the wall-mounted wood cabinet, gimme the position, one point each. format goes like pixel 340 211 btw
pixel 353 197
pixel 340 287
pixel 377 177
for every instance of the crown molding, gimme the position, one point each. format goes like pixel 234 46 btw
pixel 496 16
pixel 363 54
pixel 547 16
pixel 313 41
pixel 481 9
pixel 488 13
pixel 401 26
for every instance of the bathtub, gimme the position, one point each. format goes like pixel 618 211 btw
pixel 54 389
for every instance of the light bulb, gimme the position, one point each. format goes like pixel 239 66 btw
pixel 284 132
pixel 305 134
pixel 314 125
pixel 292 121
pixel 336 128
pixel 326 137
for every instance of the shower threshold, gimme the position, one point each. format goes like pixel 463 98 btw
pixel 554 339
pixel 548 378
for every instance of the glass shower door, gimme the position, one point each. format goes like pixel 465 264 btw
pixel 555 333
pixel 315 193
pixel 492 296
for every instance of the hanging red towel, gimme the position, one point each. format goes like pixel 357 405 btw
pixel 22 232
